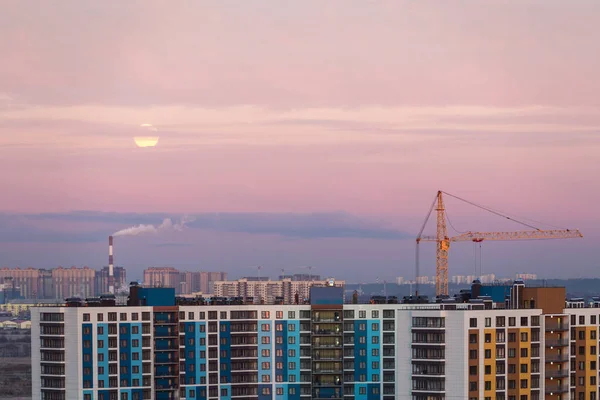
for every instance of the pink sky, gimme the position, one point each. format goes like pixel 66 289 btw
pixel 365 107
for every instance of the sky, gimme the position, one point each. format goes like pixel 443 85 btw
pixel 298 134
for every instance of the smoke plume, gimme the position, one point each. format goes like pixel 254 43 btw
pixel 167 225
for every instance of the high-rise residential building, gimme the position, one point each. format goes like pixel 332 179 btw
pixel 527 277
pixel 163 277
pixel 32 282
pixel 183 282
pixel 268 292
pixel 102 279
pixel 301 277
pixel 73 282
pixel 532 346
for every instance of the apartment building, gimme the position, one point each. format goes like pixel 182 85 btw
pixel 533 346
pixel 182 282
pixel 287 291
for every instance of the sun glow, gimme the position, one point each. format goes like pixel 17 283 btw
pixel 146 141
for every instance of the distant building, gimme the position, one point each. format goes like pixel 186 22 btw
pixel 73 282
pixel 183 282
pixel 32 282
pixel 400 280
pixel 526 277
pixel 163 277
pixel 268 291
pixel 300 277
pixel 489 278
pixel 101 285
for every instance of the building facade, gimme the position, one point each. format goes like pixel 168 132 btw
pixel 102 281
pixel 182 282
pixel 161 349
pixel 287 291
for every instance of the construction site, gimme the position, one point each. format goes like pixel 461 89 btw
pixel 443 241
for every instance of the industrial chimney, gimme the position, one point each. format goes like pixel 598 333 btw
pixel 111 276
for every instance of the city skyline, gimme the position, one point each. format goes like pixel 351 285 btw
pixel 307 135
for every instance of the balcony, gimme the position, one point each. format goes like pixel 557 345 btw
pixel 556 327
pixel 557 358
pixel 557 342
pixel 555 389
pixel 326 332
pixel 560 373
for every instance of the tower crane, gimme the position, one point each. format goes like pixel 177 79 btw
pixel 443 240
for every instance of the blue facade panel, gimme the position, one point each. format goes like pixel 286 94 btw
pixel 125 356
pixel 225 353
pixel 88 355
pixel 136 347
pixel 102 337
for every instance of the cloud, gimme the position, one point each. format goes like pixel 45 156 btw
pixel 305 226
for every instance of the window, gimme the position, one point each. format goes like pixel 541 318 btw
pixel 488 385
pixel 512 353
pixel 512 337
pixel 375 339
pixel 266 353
pixel 500 321
pixel 512 368
pixel 523 368
pixel 100 317
pixel 265 340
pixel 292 366
pixel 488 369
pixel 279 314
pixel 488 322
pixel 524 321
pixel 523 383
pixel 473 338
pixel 488 337
pixel 362 314
pixel 472 386
pixel 524 337
pixel 473 370
pixel 291 314
pixel 581 320
pixel 265 314
pixel 265 327
pixel 488 353
pixel 524 352
pixel 375 314
pixel 593 350
pixel 375 326
pixel 265 365
pixel 473 322
pixel 512 321
pixel 473 354
pixel 593 334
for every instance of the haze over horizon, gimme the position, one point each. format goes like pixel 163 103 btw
pixel 302 133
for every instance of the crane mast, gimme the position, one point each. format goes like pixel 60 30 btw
pixel 443 241
pixel 443 245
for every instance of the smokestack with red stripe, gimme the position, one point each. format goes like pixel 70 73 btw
pixel 111 277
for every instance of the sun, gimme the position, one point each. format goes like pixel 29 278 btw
pixel 146 141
